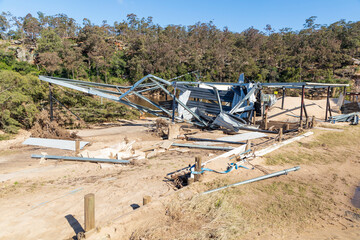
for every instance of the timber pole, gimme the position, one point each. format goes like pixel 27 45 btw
pixel 146 200
pixel 77 147
pixel 89 210
pixel 197 168
pixel 266 120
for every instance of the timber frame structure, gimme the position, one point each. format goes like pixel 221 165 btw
pixel 232 106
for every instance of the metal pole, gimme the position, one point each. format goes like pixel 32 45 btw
pixel 283 98
pixel 302 102
pixel 218 98
pixel 327 104
pixel 254 179
pixel 330 108
pixel 51 103
pixel 173 105
pixel 180 103
pixel 67 158
pixel 67 108
pixel 305 112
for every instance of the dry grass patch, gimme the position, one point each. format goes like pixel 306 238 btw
pixel 236 212
pixel 326 147
pixel 272 208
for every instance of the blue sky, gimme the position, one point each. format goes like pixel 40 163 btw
pixel 236 15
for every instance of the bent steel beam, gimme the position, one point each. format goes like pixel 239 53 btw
pixel 181 103
pixel 238 105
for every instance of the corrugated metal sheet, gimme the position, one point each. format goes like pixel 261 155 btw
pixel 53 143
pixel 236 138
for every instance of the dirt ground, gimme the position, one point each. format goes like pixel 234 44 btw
pixel 292 109
pixel 45 200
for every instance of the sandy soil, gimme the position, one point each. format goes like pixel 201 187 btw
pixel 41 201
pixel 45 201
pixel 292 109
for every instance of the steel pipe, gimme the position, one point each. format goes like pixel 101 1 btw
pixel 254 179
pixel 102 160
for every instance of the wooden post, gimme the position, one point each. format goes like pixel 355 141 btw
pixel 306 122
pixel 254 118
pixel 280 134
pixel 313 121
pixel 287 126
pixel 197 168
pixel 173 131
pixel 89 211
pixel 266 121
pixel 146 200
pixel 301 124
pixel 248 145
pixel 77 147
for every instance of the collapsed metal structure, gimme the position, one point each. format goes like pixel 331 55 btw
pixel 232 106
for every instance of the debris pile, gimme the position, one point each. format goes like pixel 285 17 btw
pixel 120 151
pixel 353 118
pixel 45 128
pixel 211 105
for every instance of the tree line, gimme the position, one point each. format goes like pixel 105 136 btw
pixel 130 49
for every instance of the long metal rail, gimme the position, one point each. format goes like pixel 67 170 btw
pixel 283 172
pixel 67 158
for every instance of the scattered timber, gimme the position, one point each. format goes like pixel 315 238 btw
pixel 274 147
pixel 234 151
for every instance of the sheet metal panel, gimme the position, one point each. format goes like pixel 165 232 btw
pixel 235 138
pixel 54 143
